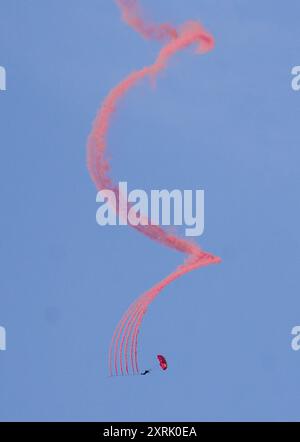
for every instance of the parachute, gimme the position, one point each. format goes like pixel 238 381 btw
pixel 162 362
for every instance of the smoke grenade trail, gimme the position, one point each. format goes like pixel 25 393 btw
pixel 125 338
pixel 132 15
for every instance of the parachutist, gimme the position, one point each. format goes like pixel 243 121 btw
pixel 145 372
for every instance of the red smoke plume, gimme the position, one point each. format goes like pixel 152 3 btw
pixel 125 338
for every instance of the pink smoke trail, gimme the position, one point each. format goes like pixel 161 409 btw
pixel 98 166
pixel 132 15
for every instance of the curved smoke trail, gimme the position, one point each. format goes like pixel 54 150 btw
pixel 125 337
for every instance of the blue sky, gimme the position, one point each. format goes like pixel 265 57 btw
pixel 226 122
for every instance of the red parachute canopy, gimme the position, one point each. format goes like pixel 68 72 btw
pixel 162 362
